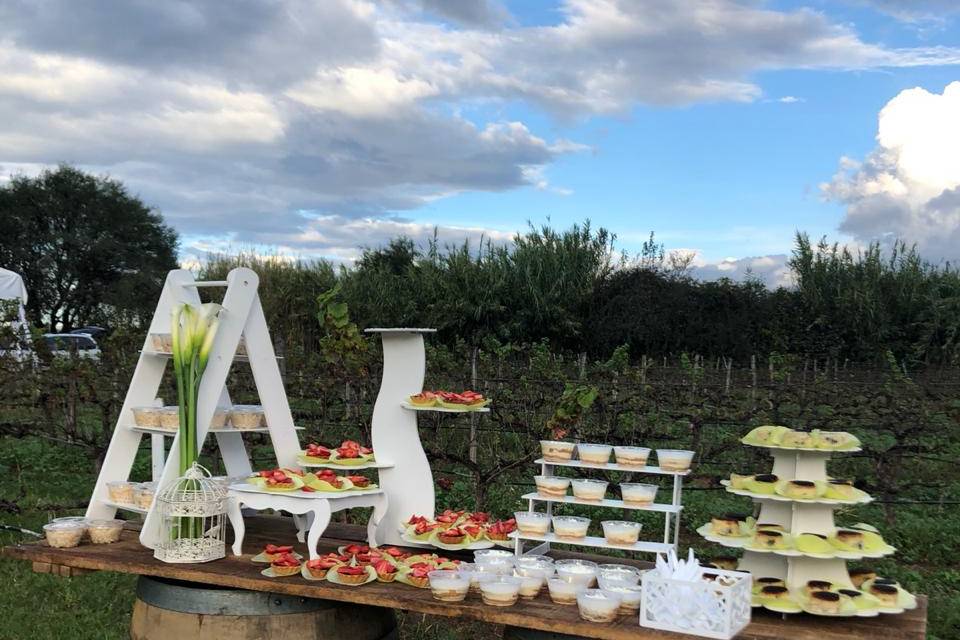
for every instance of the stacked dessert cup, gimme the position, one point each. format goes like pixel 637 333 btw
pixel 798 507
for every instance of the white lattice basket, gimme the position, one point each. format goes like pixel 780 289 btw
pixel 713 609
pixel 192 512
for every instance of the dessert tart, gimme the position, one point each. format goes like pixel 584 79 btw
pixel 328 480
pixel 859 576
pixel 354 550
pixel 316 453
pixel 848 540
pixel 279 480
pixel 453 536
pixel 319 567
pixel 813 586
pixel 774 592
pixel 474 532
pixel 425 399
pixel 557 451
pixel 726 525
pixel 827 602
pixel 285 564
pixel 352 574
pixel 840 490
pixel 501 529
pixel 349 454
pixel 799 489
pixel 417 576
pixel 360 482
pixel 887 594
pixel 386 570
pixel 422 531
pixel 770 539
pixel 764 483
pixel 450 518
pixel 272 552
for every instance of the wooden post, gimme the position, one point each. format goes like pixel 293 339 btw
pixel 753 376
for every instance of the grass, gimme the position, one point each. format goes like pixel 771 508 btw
pixel 39 481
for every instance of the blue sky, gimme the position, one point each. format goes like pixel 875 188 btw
pixel 315 128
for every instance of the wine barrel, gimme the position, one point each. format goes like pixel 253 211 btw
pixel 173 610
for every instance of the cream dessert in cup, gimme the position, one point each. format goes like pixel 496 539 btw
pixel 556 450
pixel 631 456
pixel 621 532
pixel 582 572
pixel 532 522
pixel 637 494
pixel 594 453
pixel 552 486
pixel 500 591
pixel 449 586
pixel 563 591
pixel 597 605
pixel 589 489
pixel 570 527
pixel 63 535
pixel 674 459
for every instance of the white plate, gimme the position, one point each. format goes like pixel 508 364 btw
pixel 734 542
pixel 863 499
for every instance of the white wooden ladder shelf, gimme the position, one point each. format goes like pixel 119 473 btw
pixel 242 315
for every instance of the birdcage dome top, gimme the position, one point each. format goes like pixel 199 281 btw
pixel 194 486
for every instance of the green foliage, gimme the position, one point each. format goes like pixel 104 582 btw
pixel 576 399
pixel 88 251
pixel 342 345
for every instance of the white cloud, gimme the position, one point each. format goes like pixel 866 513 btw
pixel 789 99
pixel 771 270
pixel 909 186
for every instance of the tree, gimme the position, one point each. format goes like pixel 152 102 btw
pixel 88 250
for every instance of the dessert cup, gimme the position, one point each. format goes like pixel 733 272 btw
pixel 532 522
pixel 631 456
pixel 120 491
pixel 563 591
pixel 619 572
pixel 500 591
pixel 530 584
pixel 485 555
pixel 494 564
pixel 594 453
pixel 104 531
pixel 162 342
pixel 557 451
pixel 219 420
pixel 630 595
pixel 64 535
pixel 638 494
pixel 570 527
pixel 169 418
pixel 143 494
pixel 146 416
pixel 597 605
pixel 246 416
pixel 589 489
pixel 674 459
pixel 621 532
pixel 552 486
pixel 449 586
pixel 534 565
pixel 582 572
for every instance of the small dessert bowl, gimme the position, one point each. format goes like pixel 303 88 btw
pixel 64 535
pixel 594 453
pixel 589 489
pixel 571 527
pixel 146 416
pixel 597 605
pixel 534 564
pixel 121 491
pixel 531 583
pixel 246 416
pixel 557 450
pixel 563 591
pixel 630 594
pixel 621 532
pixel 631 456
pixel 449 586
pixel 104 531
pixel 500 591
pixel 552 486
pixel 674 459
pixel 638 494
pixel 532 522
pixel 618 573
pixel 582 572
pixel 493 562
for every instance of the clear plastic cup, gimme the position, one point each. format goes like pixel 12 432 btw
pixel 621 532
pixel 104 531
pixel 630 595
pixel 674 459
pixel 619 572
pixel 219 420
pixel 246 416
pixel 594 453
pixel 638 494
pixel 532 522
pixel 597 605
pixel 557 450
pixel 563 591
pixel 449 586
pixel 631 456
pixel 144 493
pixel 500 591
pixel 589 489
pixel 538 564
pixel 146 416
pixel 571 527
pixel 582 572
pixel 169 418
pixel 530 583
pixel 552 486
pixel 120 491
pixel 64 535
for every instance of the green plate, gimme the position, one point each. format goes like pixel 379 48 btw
pixel 268 572
pixel 348 462
pixel 261 558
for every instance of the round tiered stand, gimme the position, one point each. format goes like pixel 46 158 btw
pixel 797 516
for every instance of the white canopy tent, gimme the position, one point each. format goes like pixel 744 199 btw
pixel 12 288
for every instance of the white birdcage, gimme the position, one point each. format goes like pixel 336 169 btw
pixel 192 511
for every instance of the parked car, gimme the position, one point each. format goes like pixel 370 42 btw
pixel 65 344
pixel 93 331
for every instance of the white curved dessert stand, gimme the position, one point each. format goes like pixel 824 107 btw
pixel 408 481
pixel 318 509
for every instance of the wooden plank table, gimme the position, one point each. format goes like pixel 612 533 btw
pixel 128 556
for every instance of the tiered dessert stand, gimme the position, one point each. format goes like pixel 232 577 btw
pixel 797 516
pixel 671 511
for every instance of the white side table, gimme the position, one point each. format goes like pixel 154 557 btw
pixel 318 507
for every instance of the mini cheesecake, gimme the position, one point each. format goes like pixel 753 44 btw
pixel 739 482
pixel 840 489
pixel 763 483
pixel 774 592
pixel 769 539
pixel 725 562
pixel 813 586
pixel 769 526
pixel 759 583
pixel 824 602
pixel 726 525
pixel 798 439
pixel 800 489
pixel 848 540
pixel 859 576
pixel 887 594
